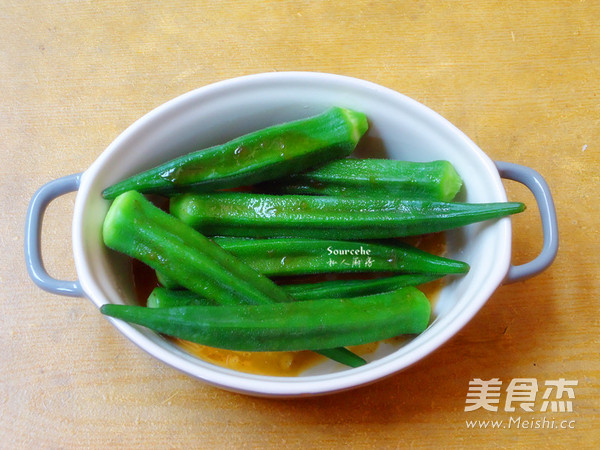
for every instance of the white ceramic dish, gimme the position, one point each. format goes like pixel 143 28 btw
pixel 400 128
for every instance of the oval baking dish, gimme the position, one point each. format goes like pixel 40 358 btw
pixel 400 128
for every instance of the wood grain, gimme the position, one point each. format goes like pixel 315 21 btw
pixel 519 78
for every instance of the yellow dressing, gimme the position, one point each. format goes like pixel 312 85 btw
pixel 281 364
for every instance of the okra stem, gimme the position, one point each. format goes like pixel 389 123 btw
pixel 343 356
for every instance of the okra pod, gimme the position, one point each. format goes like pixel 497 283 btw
pixel 255 157
pixel 305 256
pixel 324 217
pixel 407 180
pixel 355 288
pixel 134 226
pixel 292 326
pixel 162 297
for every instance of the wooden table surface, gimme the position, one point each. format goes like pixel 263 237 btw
pixel 520 78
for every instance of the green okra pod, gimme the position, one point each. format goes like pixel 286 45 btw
pixel 324 217
pixel 162 297
pixel 255 157
pixel 407 180
pixel 134 226
pixel 305 256
pixel 355 288
pixel 278 257
pixel 292 326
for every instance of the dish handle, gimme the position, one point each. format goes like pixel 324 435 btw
pixel 541 191
pixel 33 227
